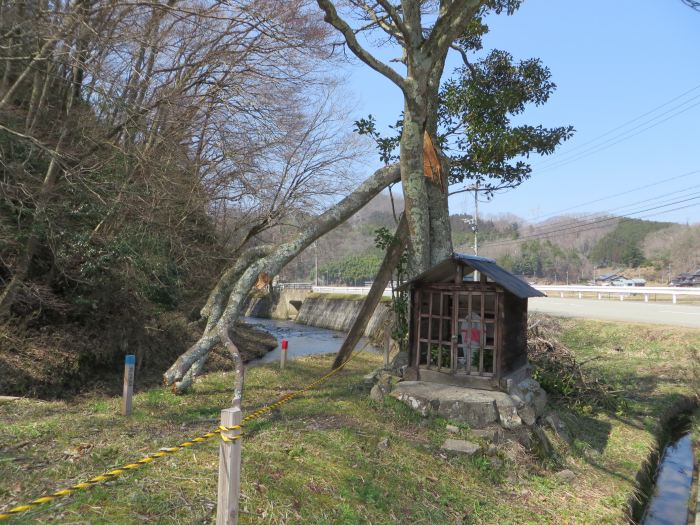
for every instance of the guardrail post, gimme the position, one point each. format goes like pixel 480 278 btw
pixel 600 296
pixel 229 470
pixel 561 294
pixel 580 295
pixel 674 298
pixel 646 297
pixel 622 297
pixel 129 364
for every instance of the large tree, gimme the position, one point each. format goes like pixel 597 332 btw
pixel 422 34
pixel 499 86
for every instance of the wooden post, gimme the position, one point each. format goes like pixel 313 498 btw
pixel 283 353
pixel 387 345
pixel 129 364
pixel 229 470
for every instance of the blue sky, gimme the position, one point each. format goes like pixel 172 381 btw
pixel 612 61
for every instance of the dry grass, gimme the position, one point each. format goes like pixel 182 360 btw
pixel 319 459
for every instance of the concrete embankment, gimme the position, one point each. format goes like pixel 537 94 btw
pixel 338 313
pixel 332 311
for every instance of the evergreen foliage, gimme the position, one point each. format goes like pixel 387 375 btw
pixel 624 245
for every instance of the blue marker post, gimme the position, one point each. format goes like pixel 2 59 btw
pixel 129 364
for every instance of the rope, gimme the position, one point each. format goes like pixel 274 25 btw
pixel 166 451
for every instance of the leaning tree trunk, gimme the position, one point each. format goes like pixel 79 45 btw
pixel 180 374
pixel 369 305
pixel 426 200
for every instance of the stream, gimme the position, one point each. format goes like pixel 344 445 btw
pixel 303 339
pixel 668 504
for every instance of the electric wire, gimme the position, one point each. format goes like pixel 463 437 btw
pixel 558 163
pixel 583 227
pixel 624 124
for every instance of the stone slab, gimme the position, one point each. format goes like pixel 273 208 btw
pixel 476 408
pixel 461 446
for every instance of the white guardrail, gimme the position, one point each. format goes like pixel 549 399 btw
pixel 550 290
pixel 622 291
pixel 354 290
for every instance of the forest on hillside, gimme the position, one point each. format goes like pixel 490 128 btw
pixel 141 146
pixel 156 159
pixel 563 248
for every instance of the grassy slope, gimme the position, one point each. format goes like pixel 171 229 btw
pixel 318 460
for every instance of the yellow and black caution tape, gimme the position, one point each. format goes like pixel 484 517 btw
pixel 119 471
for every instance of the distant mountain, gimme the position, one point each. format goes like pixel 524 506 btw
pixel 560 248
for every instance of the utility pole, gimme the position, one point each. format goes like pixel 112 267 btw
pixel 316 263
pixel 476 218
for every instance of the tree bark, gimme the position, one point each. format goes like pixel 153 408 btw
pixel 391 259
pixel 179 374
pixel 9 293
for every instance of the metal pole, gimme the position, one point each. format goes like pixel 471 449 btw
pixel 283 353
pixel 476 218
pixel 316 262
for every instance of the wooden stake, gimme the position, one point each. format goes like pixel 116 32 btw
pixel 129 364
pixel 229 470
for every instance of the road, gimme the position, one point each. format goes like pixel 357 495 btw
pixel 634 312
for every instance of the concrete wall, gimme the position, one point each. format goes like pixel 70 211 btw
pixel 277 306
pixel 326 311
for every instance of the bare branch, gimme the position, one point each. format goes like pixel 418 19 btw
pixel 341 25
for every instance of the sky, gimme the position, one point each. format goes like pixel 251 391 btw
pixel 614 61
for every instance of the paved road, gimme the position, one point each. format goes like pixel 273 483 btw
pixel 655 313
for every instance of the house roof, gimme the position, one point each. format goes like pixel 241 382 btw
pixel 488 267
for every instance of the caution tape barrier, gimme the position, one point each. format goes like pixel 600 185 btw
pixel 166 451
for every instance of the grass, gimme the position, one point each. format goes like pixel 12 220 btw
pixel 335 457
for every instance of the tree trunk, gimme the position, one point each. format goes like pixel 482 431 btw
pixel 391 259
pixel 426 201
pixel 179 374
pixel 9 294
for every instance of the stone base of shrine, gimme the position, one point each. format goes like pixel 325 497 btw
pixel 474 407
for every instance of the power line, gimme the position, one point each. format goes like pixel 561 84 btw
pixel 626 192
pixel 582 227
pixel 579 220
pixel 635 119
pixel 557 163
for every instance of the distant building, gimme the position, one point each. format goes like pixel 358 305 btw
pixel 612 279
pixel 687 279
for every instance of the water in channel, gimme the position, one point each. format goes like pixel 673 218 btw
pixel 669 502
pixel 303 339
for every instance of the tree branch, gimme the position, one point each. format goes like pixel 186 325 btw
pixel 333 18
pixel 449 25
pixel 396 18
pixel 179 373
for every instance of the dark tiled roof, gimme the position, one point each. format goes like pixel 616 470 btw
pixel 488 267
pixel 499 275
